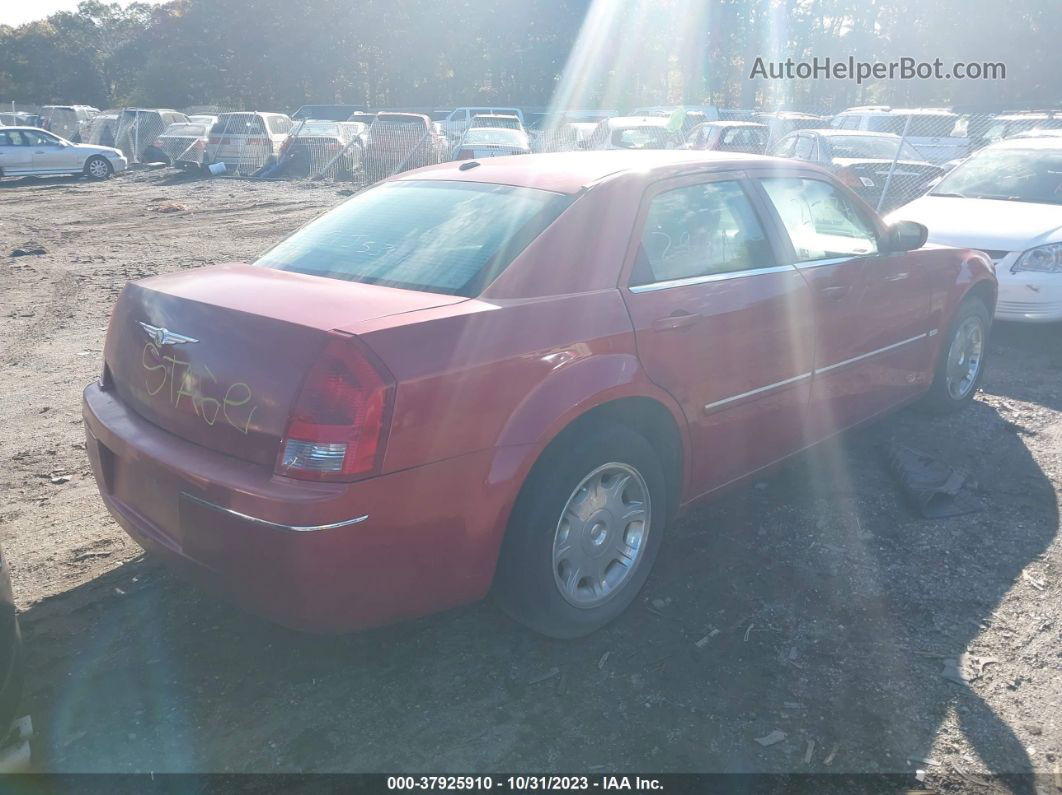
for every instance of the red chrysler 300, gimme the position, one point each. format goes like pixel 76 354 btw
pixel 512 375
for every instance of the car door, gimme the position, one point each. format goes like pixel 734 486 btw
pixel 50 155
pixel 721 324
pixel 15 153
pixel 870 309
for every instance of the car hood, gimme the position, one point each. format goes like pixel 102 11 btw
pixel 984 223
pixel 92 149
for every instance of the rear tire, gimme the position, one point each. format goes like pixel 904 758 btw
pixel 584 533
pixel 961 365
pixel 97 167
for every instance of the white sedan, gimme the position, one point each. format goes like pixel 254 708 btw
pixel 1006 200
pixel 30 150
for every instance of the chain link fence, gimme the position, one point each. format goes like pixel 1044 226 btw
pixel 888 156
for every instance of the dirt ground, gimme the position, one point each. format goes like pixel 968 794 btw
pixel 812 603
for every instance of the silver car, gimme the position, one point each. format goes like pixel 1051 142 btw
pixel 31 150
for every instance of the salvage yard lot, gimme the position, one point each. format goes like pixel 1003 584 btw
pixel 811 603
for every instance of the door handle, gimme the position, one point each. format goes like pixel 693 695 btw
pixel 676 320
pixel 837 292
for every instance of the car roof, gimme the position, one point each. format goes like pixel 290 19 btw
pixel 732 124
pixel 571 172
pixel 26 127
pixel 833 131
pixel 638 121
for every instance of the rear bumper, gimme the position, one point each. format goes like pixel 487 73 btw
pixel 311 556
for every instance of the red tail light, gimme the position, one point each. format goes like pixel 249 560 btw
pixel 215 139
pixel 284 146
pixel 849 178
pixel 257 141
pixel 199 145
pixel 338 423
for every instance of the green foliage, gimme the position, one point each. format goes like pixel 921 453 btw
pixel 278 54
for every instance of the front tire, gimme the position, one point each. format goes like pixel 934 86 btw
pixel 97 167
pixel 584 533
pixel 962 358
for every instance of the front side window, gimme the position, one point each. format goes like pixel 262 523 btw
pixel 805 148
pixel 700 230
pixel 434 236
pixel 820 220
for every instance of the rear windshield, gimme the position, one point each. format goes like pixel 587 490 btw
pixel 185 129
pixel 238 124
pixel 438 237
pixel 870 147
pixel 931 125
pixel 641 138
pixel 495 136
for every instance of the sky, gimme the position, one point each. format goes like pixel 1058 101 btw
pixel 16 12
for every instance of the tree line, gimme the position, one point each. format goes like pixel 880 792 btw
pixel 278 54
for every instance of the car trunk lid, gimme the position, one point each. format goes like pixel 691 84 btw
pixel 217 356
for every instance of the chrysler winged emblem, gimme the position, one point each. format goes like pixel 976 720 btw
pixel 163 336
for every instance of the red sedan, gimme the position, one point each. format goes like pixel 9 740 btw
pixel 513 374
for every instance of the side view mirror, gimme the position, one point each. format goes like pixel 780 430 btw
pixel 906 236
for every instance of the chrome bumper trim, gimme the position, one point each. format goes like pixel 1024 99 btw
pixel 274 525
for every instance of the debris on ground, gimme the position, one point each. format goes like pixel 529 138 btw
pixel 966 668
pixel 770 739
pixel 833 752
pixel 809 752
pixel 169 207
pixel 28 250
pixel 932 487
pixel 603 660
pixel 15 754
pixel 552 672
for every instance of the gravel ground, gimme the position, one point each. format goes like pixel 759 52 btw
pixel 812 605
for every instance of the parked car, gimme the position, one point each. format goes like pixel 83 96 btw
pixel 780 123
pixel 863 162
pixel 12 667
pixel 480 142
pixel 181 144
pixel 30 150
pixel 634 132
pixel 459 119
pixel 65 120
pixel 468 377
pixel 314 146
pixel 728 136
pixel 400 141
pixel 929 130
pixel 326 112
pixel 496 120
pixel 1006 200
pixel 203 118
pixel 246 141
pixel 138 128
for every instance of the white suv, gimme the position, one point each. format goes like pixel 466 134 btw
pixel 460 119
pixel 929 130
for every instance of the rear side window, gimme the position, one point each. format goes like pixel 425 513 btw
pixel 821 222
pixel 700 230
pixel 238 124
pixel 436 236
